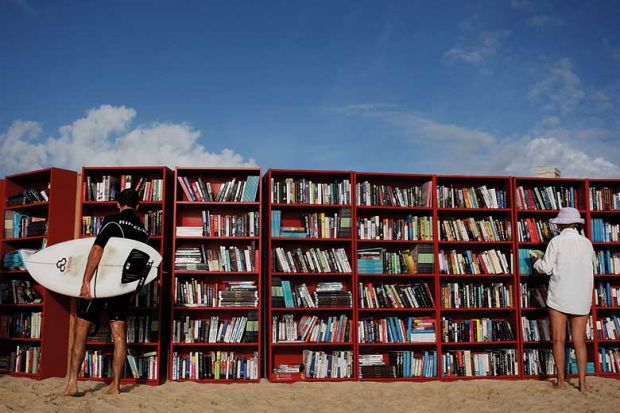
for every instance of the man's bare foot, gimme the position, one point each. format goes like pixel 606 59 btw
pixel 112 389
pixel 71 390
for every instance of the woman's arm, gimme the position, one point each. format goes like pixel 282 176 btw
pixel 545 265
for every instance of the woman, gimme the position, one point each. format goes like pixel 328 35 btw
pixel 568 259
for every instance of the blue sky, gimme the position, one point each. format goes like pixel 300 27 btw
pixel 481 87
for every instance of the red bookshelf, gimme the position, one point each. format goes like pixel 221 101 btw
pixel 303 218
pixel 573 192
pixel 602 224
pixel 56 208
pixel 211 234
pixel 475 252
pixel 99 189
pixel 395 215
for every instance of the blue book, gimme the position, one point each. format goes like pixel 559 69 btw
pixel 276 217
pixel 288 294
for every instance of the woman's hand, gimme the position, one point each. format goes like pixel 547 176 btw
pixel 85 291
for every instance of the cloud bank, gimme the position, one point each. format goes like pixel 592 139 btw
pixel 457 149
pixel 105 137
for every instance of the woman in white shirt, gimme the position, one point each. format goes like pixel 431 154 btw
pixel 568 259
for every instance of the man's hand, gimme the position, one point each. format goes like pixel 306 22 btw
pixel 85 291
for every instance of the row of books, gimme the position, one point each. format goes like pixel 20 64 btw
pixel 536 330
pixel 108 187
pixel 21 325
pixel 371 194
pixel 98 364
pixel 468 262
pixel 533 296
pixel 307 191
pixel 396 330
pixel 148 296
pixel 214 365
pixel 608 328
pixel 321 365
pixel 471 229
pixel 538 361
pixel 468 363
pixel 417 260
pixel 411 295
pixel 92 224
pixel 20 225
pixel 609 359
pixel 476 295
pixel 313 225
pixel 195 292
pixel 546 198
pixel 29 196
pixel 603 231
pixel 25 359
pixel 242 329
pixel 228 259
pixel 604 199
pixel 310 329
pixel 311 260
pixel 216 225
pixel 475 330
pixel 402 364
pixel 326 294
pixel 534 230
pixel 449 196
pixel 606 262
pixel 18 292
pixel 233 190
pixel 410 228
pixel 606 295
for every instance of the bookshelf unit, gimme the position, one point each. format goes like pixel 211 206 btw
pixel 43 314
pixel 394 220
pixel 216 285
pixel 536 350
pixel 147 332
pixel 602 229
pixel 309 271
pixel 475 248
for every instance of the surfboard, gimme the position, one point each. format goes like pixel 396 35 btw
pixel 60 267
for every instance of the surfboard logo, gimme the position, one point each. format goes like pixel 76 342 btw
pixel 61 264
pixel 64 264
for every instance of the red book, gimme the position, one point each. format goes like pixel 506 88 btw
pixel 185 190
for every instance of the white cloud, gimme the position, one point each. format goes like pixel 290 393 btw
pixel 457 149
pixel 573 162
pixel 104 137
pixel 560 89
pixel 420 129
pixel 477 51
pixel 541 20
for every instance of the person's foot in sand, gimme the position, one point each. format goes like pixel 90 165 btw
pixel 71 389
pixel 112 389
pixel 560 385
pixel 583 388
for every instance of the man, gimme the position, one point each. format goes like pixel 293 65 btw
pixel 125 224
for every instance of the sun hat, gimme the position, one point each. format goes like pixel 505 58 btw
pixel 567 215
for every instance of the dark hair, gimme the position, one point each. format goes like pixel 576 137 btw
pixel 129 197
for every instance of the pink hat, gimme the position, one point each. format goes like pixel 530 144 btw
pixel 567 215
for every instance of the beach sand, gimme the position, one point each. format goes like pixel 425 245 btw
pixel 25 395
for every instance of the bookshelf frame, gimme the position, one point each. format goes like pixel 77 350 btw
pixel 60 213
pixel 161 243
pixel 183 211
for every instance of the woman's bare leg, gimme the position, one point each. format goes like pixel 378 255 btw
pixel 558 335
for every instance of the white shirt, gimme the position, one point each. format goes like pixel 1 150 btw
pixel 568 259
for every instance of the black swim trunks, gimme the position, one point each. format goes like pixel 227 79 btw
pixel 123 225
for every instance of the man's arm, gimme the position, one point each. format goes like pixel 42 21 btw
pixel 91 265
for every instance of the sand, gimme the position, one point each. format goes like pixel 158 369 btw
pixel 19 394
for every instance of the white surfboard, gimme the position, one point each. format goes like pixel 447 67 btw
pixel 60 267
